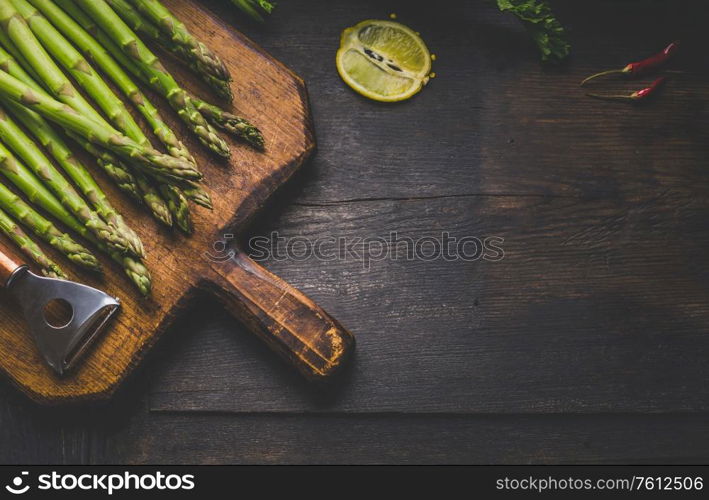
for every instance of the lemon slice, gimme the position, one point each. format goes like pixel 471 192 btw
pixel 383 60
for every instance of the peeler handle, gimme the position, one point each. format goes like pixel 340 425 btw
pixel 288 321
pixel 9 263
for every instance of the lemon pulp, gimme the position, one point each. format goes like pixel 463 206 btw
pixel 383 60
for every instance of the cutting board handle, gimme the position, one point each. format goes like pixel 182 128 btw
pixel 290 323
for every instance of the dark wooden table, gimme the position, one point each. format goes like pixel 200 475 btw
pixel 587 342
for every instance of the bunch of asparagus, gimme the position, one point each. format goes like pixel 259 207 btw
pixel 49 50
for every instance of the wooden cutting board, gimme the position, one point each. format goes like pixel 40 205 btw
pixel 275 99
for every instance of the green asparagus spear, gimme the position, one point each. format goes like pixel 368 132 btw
pixel 216 76
pixel 134 268
pixel 141 188
pixel 158 206
pixel 29 247
pixel 78 116
pixel 135 184
pixel 122 177
pixel 248 8
pixel 196 193
pixel 37 193
pixel 14 137
pixel 136 271
pixel 111 105
pixel 137 22
pixel 178 33
pixel 251 8
pixel 218 117
pixel 17 60
pixel 81 70
pixel 43 228
pixel 266 6
pixel 179 206
pixel 151 160
pixel 254 8
pixel 48 137
pixel 97 53
pixel 144 27
pixel 93 50
pixel 152 69
pixel 63 51
pixel 56 146
pixel 229 122
pixel 41 65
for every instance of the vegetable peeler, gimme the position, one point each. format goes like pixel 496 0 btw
pixel 87 309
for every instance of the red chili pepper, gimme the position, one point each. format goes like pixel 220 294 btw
pixel 638 95
pixel 642 67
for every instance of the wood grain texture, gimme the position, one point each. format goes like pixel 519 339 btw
pixel 274 98
pixel 411 439
pixel 600 303
pixel 594 290
pixel 123 432
pixel 613 319
pixel 288 321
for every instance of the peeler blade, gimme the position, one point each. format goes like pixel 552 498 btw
pixel 91 309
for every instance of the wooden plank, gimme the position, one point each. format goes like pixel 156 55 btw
pixel 597 306
pixel 408 439
pixel 124 432
pixel 32 435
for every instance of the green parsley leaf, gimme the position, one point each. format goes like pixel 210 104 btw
pixel 538 18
